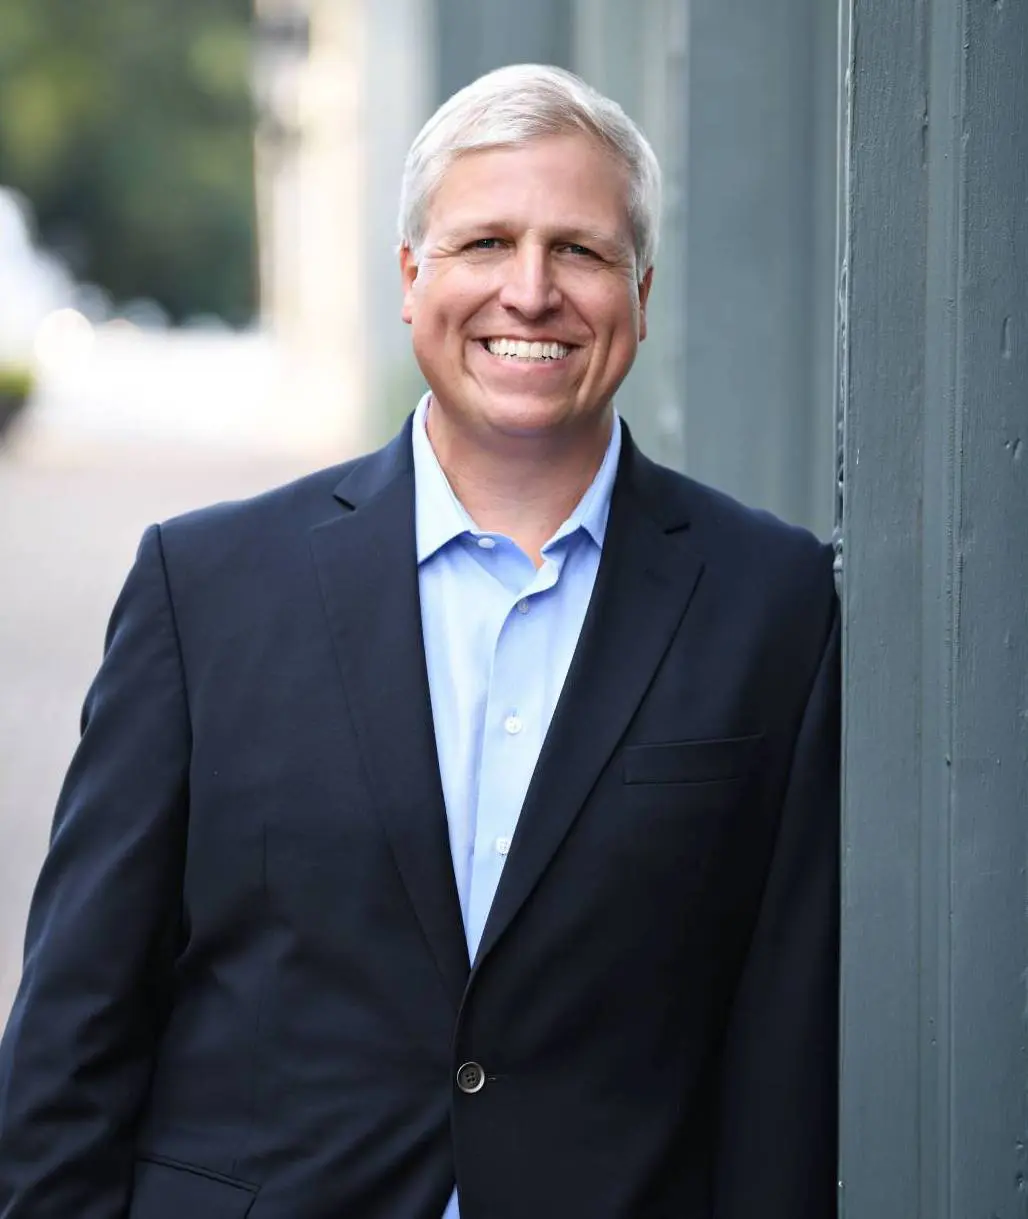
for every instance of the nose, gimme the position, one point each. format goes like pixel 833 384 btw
pixel 529 286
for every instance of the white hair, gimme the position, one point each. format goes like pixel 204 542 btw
pixel 511 106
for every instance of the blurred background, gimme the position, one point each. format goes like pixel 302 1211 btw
pixel 199 299
pixel 199 295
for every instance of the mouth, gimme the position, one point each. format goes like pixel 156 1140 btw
pixel 525 351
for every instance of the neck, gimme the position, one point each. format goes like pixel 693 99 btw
pixel 525 486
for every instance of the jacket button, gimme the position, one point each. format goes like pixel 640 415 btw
pixel 470 1078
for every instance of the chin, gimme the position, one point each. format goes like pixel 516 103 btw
pixel 526 415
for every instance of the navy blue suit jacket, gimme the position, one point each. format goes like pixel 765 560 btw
pixel 246 988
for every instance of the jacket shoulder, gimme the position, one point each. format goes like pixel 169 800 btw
pixel 293 508
pixel 723 528
pixel 299 504
pixel 304 498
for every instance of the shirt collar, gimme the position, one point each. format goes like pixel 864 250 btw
pixel 439 516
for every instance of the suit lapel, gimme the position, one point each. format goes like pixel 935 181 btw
pixel 645 581
pixel 367 570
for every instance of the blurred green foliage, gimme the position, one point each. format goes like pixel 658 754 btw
pixel 128 125
pixel 16 381
pixel 16 385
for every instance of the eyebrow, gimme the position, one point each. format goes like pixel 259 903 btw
pixel 573 235
pixel 592 237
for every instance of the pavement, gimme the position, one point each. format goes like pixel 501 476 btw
pixel 72 508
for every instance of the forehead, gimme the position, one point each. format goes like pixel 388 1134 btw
pixel 568 179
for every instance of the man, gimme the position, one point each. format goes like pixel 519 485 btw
pixel 455 831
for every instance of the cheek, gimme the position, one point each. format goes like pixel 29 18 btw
pixel 447 303
pixel 629 320
pixel 608 302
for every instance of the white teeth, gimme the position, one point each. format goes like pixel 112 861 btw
pixel 522 350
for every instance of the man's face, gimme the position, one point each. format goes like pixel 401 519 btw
pixel 527 244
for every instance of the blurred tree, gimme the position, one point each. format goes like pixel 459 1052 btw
pixel 128 125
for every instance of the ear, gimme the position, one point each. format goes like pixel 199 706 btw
pixel 645 284
pixel 408 274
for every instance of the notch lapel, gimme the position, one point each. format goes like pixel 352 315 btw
pixel 645 581
pixel 367 570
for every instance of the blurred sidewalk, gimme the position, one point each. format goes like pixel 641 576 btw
pixel 80 479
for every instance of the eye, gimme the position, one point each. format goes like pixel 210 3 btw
pixel 580 251
pixel 484 243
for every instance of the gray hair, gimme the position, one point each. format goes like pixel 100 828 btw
pixel 522 102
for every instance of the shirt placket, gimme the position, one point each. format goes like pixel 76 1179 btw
pixel 512 737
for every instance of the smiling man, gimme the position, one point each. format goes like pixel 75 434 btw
pixel 454 832
pixel 527 300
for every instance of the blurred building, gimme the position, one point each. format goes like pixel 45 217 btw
pixel 341 87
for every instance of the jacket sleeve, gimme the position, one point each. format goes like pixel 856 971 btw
pixel 76 1057
pixel 778 1128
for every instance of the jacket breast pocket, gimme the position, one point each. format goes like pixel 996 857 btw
pixel 711 761
pixel 163 1189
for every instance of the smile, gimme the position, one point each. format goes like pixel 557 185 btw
pixel 521 349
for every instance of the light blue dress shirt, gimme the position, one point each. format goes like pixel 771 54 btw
pixel 499 637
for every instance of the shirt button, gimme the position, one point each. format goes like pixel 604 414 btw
pixel 523 605
pixel 513 725
pixel 487 543
pixel 502 845
pixel 470 1078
